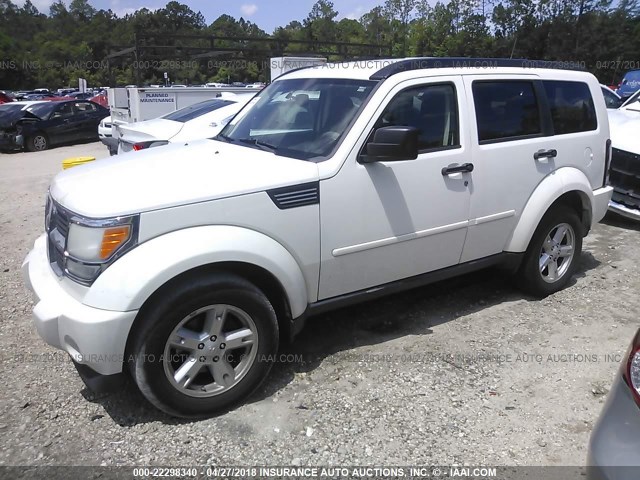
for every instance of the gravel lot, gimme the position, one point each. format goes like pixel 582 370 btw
pixel 384 383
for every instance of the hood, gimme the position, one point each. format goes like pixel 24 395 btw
pixel 624 125
pixel 9 117
pixel 174 175
pixel 156 129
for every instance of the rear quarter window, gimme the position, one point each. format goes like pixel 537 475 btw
pixel 572 108
pixel 506 110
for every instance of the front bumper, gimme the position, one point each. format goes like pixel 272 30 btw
pixel 9 141
pixel 601 199
pixel 92 337
pixel 624 211
pixel 614 448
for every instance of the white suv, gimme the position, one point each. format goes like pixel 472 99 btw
pixel 338 183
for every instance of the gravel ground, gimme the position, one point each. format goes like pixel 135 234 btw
pixel 468 371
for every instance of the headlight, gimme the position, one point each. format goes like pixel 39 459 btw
pixel 93 244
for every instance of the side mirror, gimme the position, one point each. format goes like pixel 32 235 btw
pixel 392 144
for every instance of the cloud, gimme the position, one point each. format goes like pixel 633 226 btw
pixel 357 13
pixel 122 10
pixel 41 5
pixel 248 9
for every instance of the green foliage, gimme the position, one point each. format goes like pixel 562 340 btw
pixel 68 42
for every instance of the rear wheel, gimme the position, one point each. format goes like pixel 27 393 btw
pixel 553 253
pixel 37 142
pixel 204 346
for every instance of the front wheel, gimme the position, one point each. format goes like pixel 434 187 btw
pixel 37 142
pixel 204 346
pixel 553 253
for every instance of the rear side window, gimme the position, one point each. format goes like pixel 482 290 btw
pixel 506 110
pixel 196 110
pixel 572 108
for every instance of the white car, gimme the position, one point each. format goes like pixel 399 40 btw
pixel 611 98
pixel 200 120
pixel 625 159
pixel 105 134
pixel 185 265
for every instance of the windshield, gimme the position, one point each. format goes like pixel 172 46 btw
pixel 42 110
pixel 299 118
pixel 194 111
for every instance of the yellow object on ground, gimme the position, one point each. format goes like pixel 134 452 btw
pixel 75 161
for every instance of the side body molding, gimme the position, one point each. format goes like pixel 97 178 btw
pixel 553 186
pixel 131 280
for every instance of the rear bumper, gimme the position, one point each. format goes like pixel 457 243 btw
pixel 614 448
pixel 623 210
pixel 111 143
pixel 92 337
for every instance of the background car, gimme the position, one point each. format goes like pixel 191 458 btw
pixel 624 171
pixel 80 95
pixel 43 124
pixel 5 98
pixel 615 440
pixel 197 121
pixel 105 134
pixel 630 84
pixel 611 98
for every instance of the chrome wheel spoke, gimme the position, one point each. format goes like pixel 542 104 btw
pixel 214 321
pixel 222 372
pixel 188 371
pixel 566 251
pixel 560 234
pixel 553 271
pixel 238 339
pixel 186 339
pixel 545 259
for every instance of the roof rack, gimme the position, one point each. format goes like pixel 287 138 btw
pixel 466 62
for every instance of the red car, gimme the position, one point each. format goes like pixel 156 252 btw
pixel 4 98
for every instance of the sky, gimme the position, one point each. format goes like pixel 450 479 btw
pixel 267 14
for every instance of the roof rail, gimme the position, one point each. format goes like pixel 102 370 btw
pixel 466 62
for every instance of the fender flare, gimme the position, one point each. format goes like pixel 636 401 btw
pixel 556 184
pixel 133 278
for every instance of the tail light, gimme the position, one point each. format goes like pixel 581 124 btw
pixel 631 371
pixel 143 145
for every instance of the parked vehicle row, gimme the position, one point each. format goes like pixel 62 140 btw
pixel 38 125
pixel 195 122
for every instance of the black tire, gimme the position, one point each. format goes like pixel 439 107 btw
pixel 530 278
pixel 150 336
pixel 37 142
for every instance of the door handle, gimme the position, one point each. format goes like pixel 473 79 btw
pixel 464 168
pixel 545 154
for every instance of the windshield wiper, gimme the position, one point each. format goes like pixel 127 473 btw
pixel 259 143
pixel 225 138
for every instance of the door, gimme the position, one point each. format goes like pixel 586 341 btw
pixel 513 151
pixel 86 120
pixel 386 221
pixel 61 126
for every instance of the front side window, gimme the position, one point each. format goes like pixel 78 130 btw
pixel 572 108
pixel 299 118
pixel 506 110
pixel 432 109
